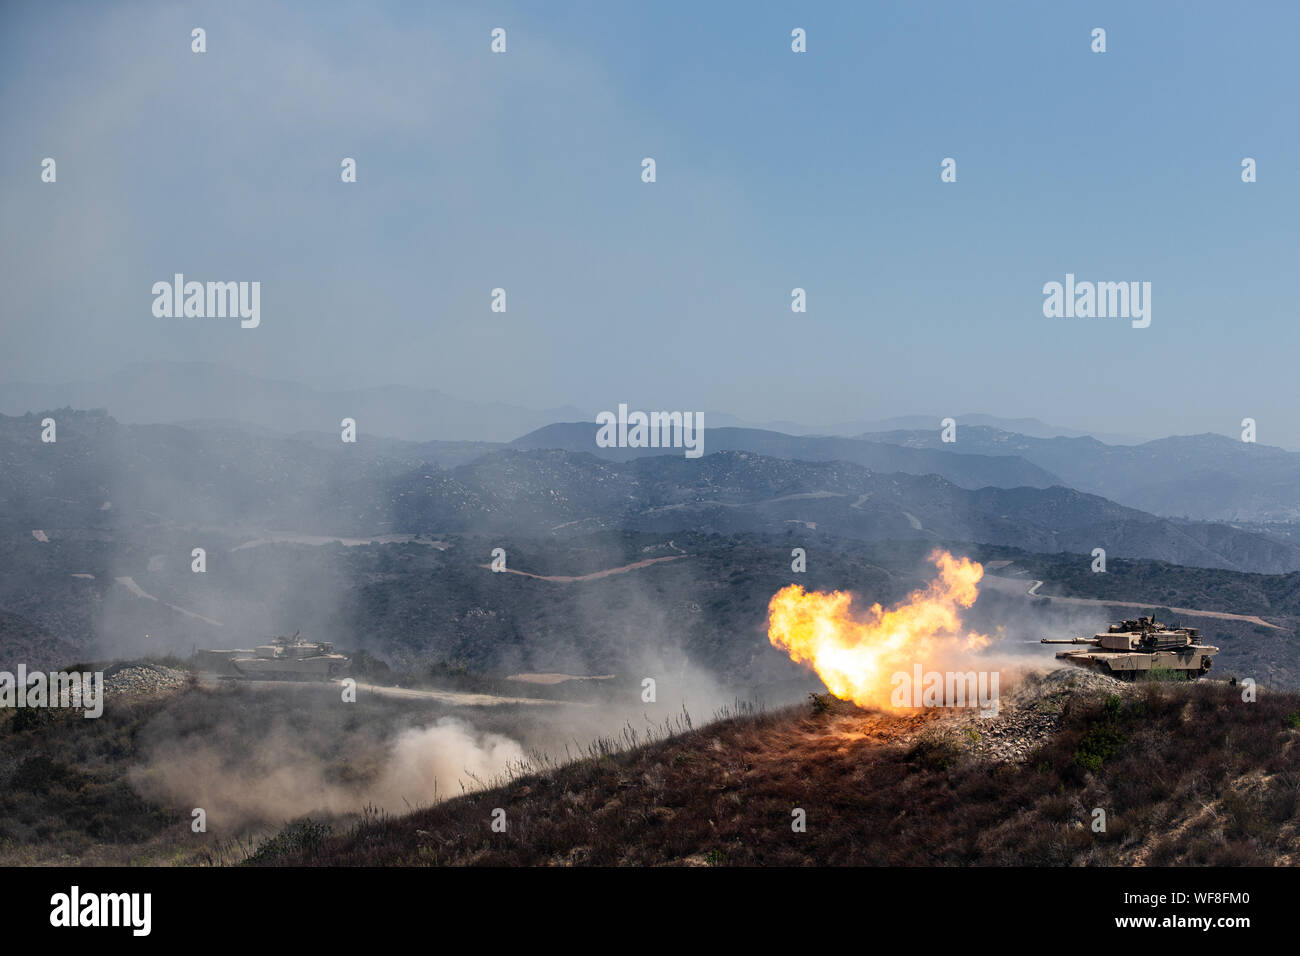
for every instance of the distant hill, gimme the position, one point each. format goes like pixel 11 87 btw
pixel 202 394
pixel 965 470
pixel 104 475
pixel 735 492
pixel 1208 477
pixel 1032 427
pixel 171 392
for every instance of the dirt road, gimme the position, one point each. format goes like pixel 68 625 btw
pixel 570 579
pixel 449 697
pixel 130 585
pixel 1014 586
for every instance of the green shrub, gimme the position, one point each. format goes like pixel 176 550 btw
pixel 1103 739
pixel 304 836
pixel 30 718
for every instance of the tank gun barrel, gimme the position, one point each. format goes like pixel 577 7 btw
pixel 1070 640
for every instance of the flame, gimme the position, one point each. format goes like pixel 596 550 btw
pixel 857 658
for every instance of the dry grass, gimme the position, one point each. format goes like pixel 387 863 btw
pixel 1186 775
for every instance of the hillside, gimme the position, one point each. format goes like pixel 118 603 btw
pixel 98 531
pixel 734 492
pixel 420 602
pixel 1207 477
pixel 103 475
pixel 962 469
pixel 1031 427
pixel 1184 774
pixel 118 790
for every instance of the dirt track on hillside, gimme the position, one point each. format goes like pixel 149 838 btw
pixel 1014 586
pixel 570 579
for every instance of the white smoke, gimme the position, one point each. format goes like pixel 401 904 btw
pixel 439 760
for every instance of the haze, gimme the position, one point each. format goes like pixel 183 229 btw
pixel 775 171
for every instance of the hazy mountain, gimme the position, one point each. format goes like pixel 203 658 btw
pixel 203 393
pixel 1032 427
pixel 542 492
pixel 100 473
pixel 104 475
pixel 96 532
pixel 966 470
pixel 172 392
pixel 716 419
pixel 1208 477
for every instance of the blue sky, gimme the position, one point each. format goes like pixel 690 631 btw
pixel 775 170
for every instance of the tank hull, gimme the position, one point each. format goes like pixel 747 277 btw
pixel 287 661
pixel 1130 666
pixel 311 668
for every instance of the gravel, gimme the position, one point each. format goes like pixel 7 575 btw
pixel 139 679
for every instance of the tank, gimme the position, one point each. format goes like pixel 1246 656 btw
pixel 1131 648
pixel 284 658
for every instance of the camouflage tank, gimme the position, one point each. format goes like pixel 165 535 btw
pixel 1132 648
pixel 284 658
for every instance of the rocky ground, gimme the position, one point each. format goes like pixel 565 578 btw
pixel 1026 717
pixel 133 679
pixel 141 679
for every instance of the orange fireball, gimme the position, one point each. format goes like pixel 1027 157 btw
pixel 857 657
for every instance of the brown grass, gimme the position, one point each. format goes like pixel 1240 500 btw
pixel 1185 774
